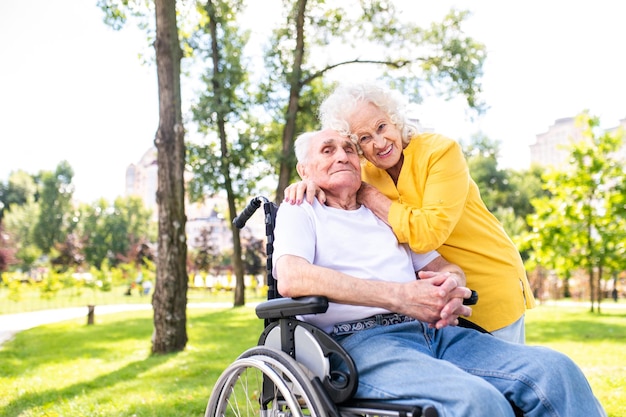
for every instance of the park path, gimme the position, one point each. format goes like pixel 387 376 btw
pixel 10 324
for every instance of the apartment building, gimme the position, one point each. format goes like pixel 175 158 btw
pixel 548 150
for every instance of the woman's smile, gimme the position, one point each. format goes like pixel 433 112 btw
pixel 386 152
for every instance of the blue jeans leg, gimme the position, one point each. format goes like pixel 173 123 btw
pixel 540 381
pixel 396 364
pixel 465 373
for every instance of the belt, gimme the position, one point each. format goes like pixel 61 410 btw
pixel 348 327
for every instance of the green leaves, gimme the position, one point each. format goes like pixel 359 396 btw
pixel 581 223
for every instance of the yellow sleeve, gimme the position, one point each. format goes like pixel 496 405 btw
pixel 432 198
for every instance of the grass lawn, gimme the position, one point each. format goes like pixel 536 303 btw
pixel 70 369
pixel 596 343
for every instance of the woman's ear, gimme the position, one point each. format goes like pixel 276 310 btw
pixel 301 170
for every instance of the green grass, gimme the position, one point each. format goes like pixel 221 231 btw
pixel 71 369
pixel 597 343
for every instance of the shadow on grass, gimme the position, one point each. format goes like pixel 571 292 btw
pixel 132 370
pixel 174 384
pixel 216 339
pixel 63 342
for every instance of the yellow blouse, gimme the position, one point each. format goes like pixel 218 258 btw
pixel 437 205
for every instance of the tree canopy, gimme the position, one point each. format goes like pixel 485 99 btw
pixel 580 224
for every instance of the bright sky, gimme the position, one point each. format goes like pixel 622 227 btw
pixel 73 89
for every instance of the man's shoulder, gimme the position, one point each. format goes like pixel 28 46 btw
pixel 293 208
pixel 297 212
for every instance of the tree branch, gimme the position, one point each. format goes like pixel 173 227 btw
pixel 394 64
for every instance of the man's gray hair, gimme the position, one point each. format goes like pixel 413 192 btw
pixel 302 145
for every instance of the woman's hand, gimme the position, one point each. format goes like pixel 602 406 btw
pixel 374 200
pixel 295 192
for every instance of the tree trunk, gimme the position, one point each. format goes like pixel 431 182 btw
pixel 240 286
pixel 287 161
pixel 218 87
pixel 170 295
pixel 599 288
pixel 567 293
pixel 589 248
pixel 591 287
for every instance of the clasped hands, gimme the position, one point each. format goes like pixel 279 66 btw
pixel 436 298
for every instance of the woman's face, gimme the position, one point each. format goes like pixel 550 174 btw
pixel 379 139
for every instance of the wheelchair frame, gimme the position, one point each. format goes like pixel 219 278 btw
pixel 288 373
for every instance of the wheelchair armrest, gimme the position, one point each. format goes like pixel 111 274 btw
pixel 289 307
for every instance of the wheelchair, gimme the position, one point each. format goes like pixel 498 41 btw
pixel 289 372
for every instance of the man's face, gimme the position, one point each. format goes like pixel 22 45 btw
pixel 332 162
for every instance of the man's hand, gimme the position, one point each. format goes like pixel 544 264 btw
pixel 436 298
pixel 294 193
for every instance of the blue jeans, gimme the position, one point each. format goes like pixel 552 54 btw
pixel 463 372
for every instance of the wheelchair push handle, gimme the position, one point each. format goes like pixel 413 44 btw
pixel 244 216
pixel 472 300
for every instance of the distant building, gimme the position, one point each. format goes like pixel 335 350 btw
pixel 622 152
pixel 549 148
pixel 207 216
pixel 142 181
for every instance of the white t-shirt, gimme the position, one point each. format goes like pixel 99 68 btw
pixel 355 242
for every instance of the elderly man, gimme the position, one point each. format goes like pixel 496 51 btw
pixel 400 331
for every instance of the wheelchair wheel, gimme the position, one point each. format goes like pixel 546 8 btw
pixel 267 383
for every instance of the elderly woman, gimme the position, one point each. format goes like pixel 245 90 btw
pixel 419 184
